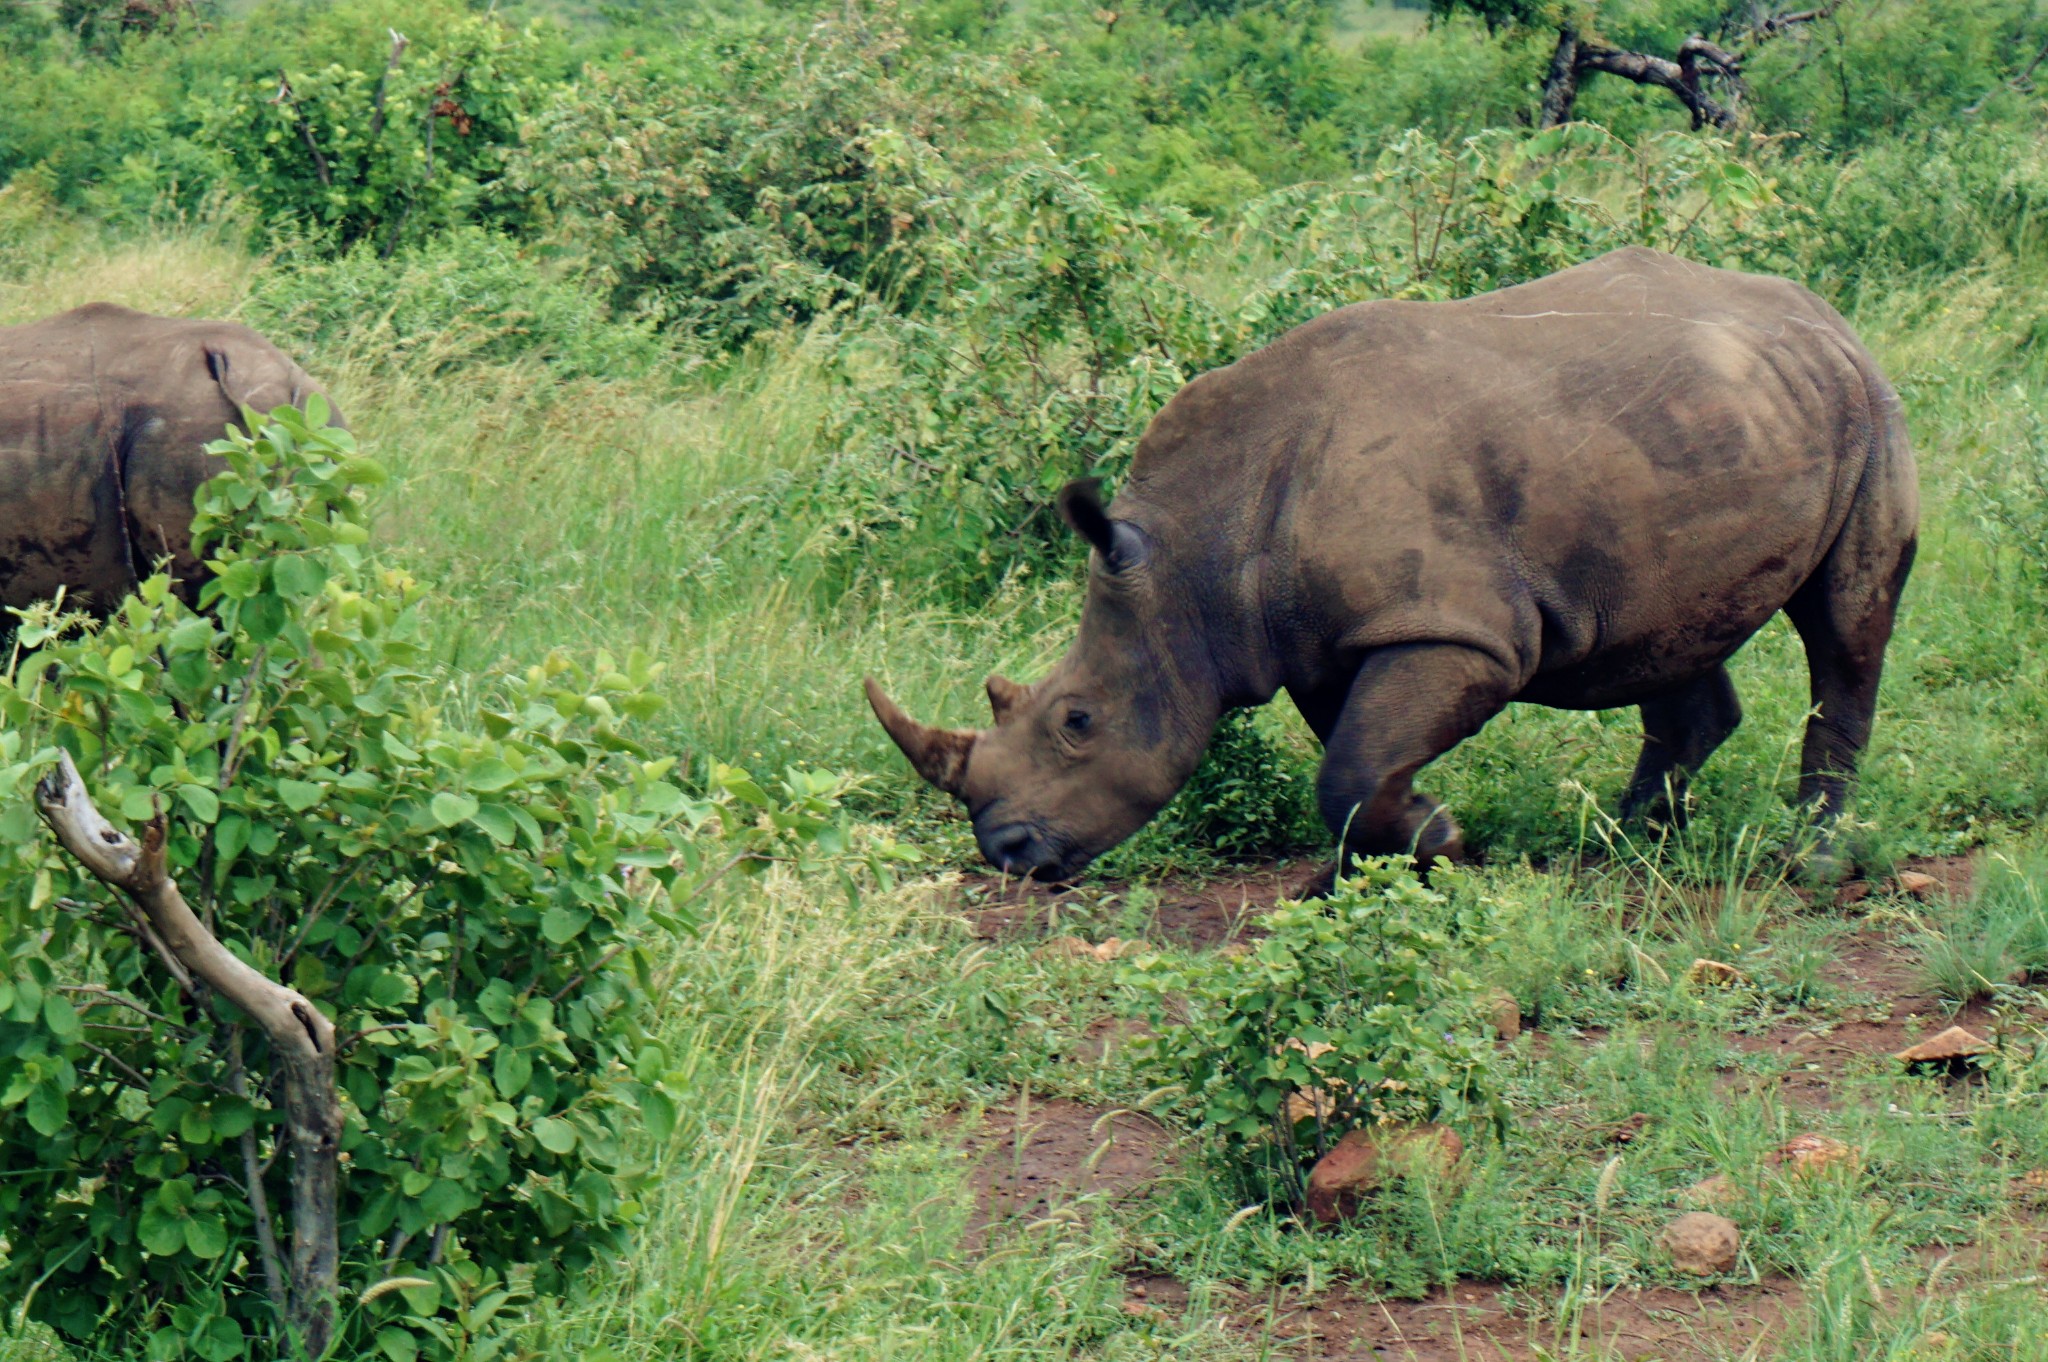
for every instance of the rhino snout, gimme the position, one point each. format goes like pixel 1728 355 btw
pixel 1020 849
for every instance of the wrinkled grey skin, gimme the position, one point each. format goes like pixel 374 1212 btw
pixel 104 414
pixel 1583 492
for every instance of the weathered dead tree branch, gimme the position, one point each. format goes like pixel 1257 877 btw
pixel 300 1036
pixel 1697 61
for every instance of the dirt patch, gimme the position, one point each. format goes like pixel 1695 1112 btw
pixel 1032 1156
pixel 1475 1322
pixel 1204 913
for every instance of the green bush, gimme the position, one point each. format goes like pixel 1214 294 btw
pixel 1362 995
pixel 466 296
pixel 319 128
pixel 760 176
pixel 471 904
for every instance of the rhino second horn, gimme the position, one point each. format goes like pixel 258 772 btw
pixel 1004 695
pixel 937 754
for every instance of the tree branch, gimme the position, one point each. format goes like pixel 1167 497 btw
pixel 398 44
pixel 284 95
pixel 300 1035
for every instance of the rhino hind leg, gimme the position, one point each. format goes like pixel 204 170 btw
pixel 1408 705
pixel 1844 615
pixel 1680 731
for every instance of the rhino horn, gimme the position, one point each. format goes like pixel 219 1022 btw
pixel 1004 695
pixel 938 754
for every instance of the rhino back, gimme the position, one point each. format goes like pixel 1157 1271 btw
pixel 104 415
pixel 1608 478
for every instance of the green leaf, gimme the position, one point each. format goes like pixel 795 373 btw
pixel 450 808
pixel 562 925
pixel 299 576
pixel 162 1232
pixel 555 1135
pixel 659 1111
pixel 61 1017
pixel 497 821
pixel 510 1071
pixel 489 776
pixel 47 1108
pixel 397 1344
pixel 300 795
pixel 206 1236
pixel 204 803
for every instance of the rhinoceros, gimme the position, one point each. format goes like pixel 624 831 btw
pixel 1586 491
pixel 104 417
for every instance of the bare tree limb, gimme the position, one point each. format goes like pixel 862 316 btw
pixel 2022 82
pixel 1697 60
pixel 300 1035
pixel 284 95
pixel 398 44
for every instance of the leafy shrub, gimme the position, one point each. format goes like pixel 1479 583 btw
pixel 2010 503
pixel 1253 795
pixel 1373 973
pixel 471 904
pixel 468 295
pixel 374 143
pixel 759 178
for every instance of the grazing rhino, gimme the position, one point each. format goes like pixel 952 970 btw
pixel 104 417
pixel 1583 492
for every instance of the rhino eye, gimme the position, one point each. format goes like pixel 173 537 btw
pixel 1078 721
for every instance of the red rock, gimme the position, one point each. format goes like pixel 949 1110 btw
pixel 1700 1243
pixel 1916 883
pixel 1952 1044
pixel 1811 1153
pixel 1366 1159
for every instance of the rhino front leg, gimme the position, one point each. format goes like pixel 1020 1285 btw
pixel 1408 705
pixel 1680 731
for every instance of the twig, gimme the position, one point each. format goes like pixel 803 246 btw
pixel 284 95
pixel 384 84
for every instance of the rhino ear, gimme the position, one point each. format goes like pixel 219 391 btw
pixel 1119 542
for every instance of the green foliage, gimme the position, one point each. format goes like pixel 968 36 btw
pixel 1363 996
pixel 759 178
pixel 466 296
pixel 472 905
pixel 359 150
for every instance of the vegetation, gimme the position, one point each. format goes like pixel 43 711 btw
pixel 737 351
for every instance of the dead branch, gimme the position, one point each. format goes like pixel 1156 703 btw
pixel 285 96
pixel 300 1035
pixel 1697 60
pixel 398 45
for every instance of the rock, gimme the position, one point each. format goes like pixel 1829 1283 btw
pixel 1365 1159
pixel 1918 884
pixel 1700 1243
pixel 1718 1190
pixel 1505 1014
pixel 1950 1047
pixel 1064 948
pixel 1074 948
pixel 1705 971
pixel 1309 1104
pixel 1628 1127
pixel 1806 1155
pixel 1853 892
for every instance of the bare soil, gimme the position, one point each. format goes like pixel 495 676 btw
pixel 1032 1157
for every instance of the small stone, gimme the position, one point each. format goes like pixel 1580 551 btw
pixel 1806 1155
pixel 1951 1045
pixel 1505 1014
pixel 1064 948
pixel 1628 1127
pixel 1365 1159
pixel 1718 1190
pixel 2035 1180
pixel 1310 1104
pixel 1700 1243
pixel 1704 971
pixel 1918 884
